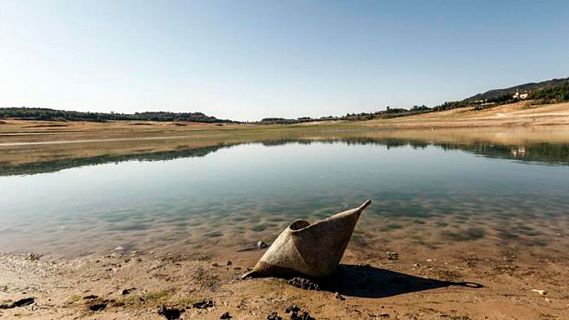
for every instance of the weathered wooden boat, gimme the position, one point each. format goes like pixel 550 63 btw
pixel 314 250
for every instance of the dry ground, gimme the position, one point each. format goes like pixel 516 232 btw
pixel 468 284
pixel 517 114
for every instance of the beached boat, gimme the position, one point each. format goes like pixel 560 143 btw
pixel 313 250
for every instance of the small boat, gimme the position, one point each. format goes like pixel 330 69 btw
pixel 314 250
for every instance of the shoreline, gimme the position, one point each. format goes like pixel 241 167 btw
pixel 502 284
pixel 58 147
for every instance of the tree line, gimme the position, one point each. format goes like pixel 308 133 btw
pixel 47 114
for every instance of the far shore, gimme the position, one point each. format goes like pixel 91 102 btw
pixel 24 141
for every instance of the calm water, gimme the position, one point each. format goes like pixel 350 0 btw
pixel 234 196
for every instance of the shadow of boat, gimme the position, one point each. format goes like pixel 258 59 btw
pixel 371 282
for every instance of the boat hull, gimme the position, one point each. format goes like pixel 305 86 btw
pixel 314 250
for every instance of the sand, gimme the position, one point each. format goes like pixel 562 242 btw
pixel 489 283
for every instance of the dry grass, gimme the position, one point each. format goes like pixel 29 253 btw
pixel 517 114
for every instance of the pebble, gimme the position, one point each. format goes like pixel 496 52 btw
pixel 297 314
pixel 292 308
pixel 274 316
pixel 303 283
pixel 262 245
pixel 337 295
pixel 541 292
pixel 33 256
pixel 98 307
pixel 203 304
pixel 18 303
pixel 226 315
pixel 392 255
pixel 170 313
pixel 124 292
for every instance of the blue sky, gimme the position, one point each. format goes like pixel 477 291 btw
pixel 251 59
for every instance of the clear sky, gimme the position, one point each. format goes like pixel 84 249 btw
pixel 246 60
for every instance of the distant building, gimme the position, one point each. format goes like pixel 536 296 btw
pixel 521 96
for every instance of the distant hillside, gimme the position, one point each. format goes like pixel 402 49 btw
pixel 52 114
pixel 533 89
pixel 550 91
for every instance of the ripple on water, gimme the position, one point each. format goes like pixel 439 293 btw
pixel 213 234
pixel 259 227
pixel 469 234
pixel 390 226
pixel 239 218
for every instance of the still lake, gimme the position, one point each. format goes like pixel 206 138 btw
pixel 232 196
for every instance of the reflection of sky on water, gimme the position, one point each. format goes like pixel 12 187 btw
pixel 250 191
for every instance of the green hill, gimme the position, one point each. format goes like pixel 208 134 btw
pixel 550 89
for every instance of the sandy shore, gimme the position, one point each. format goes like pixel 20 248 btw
pixel 488 283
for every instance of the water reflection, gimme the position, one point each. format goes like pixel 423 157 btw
pixel 547 153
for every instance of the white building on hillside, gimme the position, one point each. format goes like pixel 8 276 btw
pixel 521 96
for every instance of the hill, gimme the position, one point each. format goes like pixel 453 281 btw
pixel 544 89
pixel 545 92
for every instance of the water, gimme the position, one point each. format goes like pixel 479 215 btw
pixel 427 195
